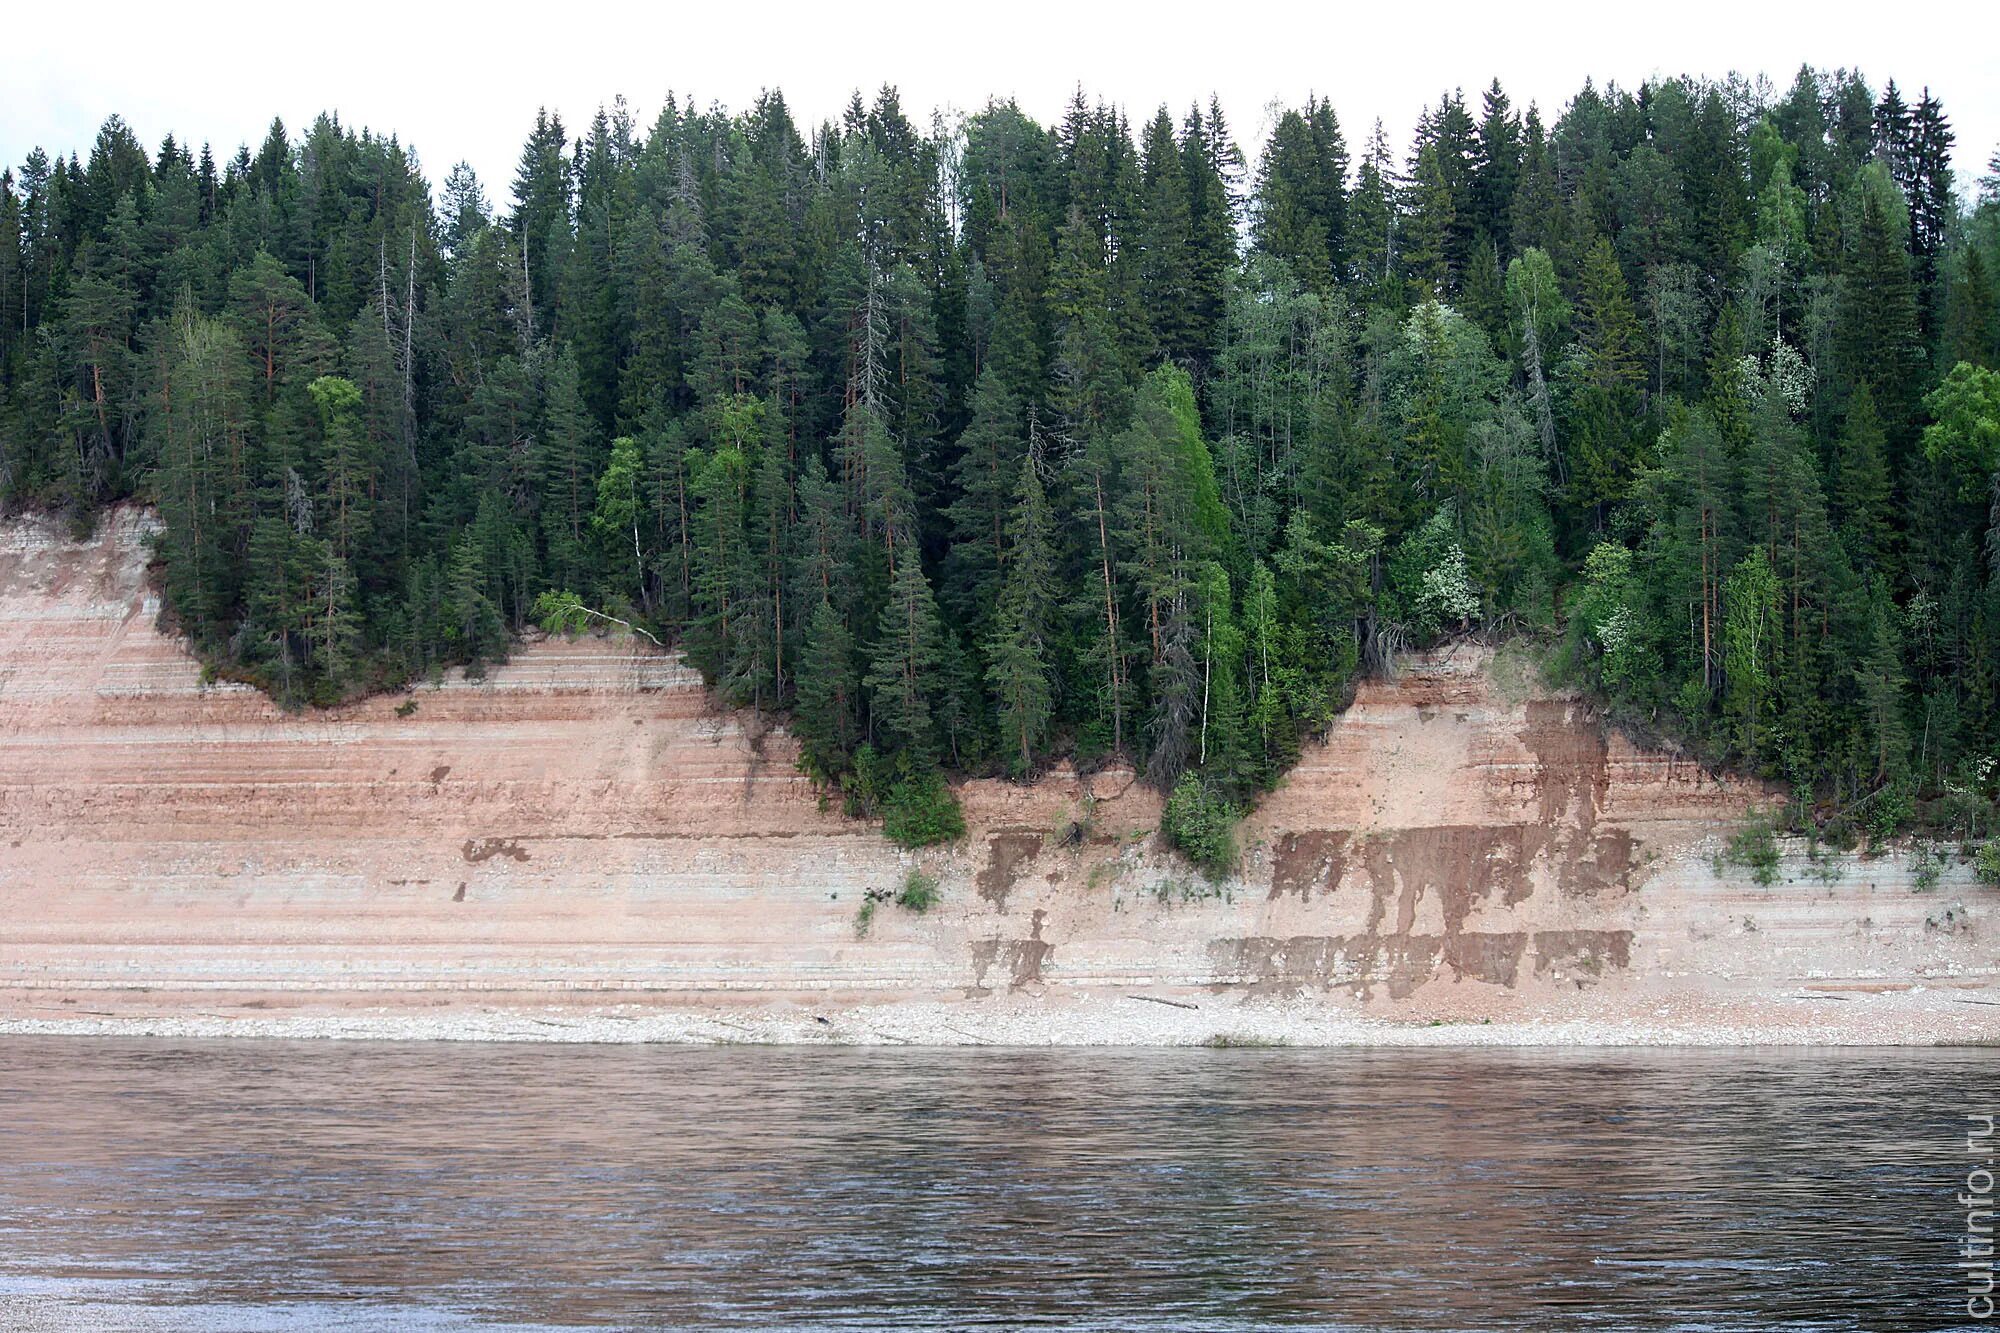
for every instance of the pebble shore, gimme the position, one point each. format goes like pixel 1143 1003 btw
pixel 1901 1018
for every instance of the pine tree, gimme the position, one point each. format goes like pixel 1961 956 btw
pixel 826 713
pixel 1207 161
pixel 1971 331
pixel 541 222
pixel 1929 192
pixel 1371 212
pixel 1879 336
pixel 347 463
pixel 1020 657
pixel 1536 217
pixel 1431 221
pixel 1603 449
pixel 1880 677
pixel 200 436
pixel 909 665
pixel 1861 482
pixel 570 460
pixel 1301 214
pixel 1497 168
pixel 1166 257
pixel 986 475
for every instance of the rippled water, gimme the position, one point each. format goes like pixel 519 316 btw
pixel 267 1185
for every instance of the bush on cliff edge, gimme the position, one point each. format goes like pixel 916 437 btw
pixel 1202 825
pixel 922 811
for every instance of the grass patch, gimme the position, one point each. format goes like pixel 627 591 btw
pixel 919 893
pixel 1755 849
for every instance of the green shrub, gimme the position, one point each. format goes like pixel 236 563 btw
pixel 1925 867
pixel 863 786
pixel 1201 825
pixel 922 811
pixel 1891 810
pixel 1986 865
pixel 1756 849
pixel 919 894
pixel 864 918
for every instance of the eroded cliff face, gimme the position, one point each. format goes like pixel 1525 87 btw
pixel 586 820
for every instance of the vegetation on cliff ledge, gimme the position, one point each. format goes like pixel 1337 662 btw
pixel 979 443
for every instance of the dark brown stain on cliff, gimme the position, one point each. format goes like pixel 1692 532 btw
pixel 1398 964
pixel 1459 864
pixel 1461 868
pixel 1605 871
pixel 440 773
pixel 1493 958
pixel 1288 965
pixel 1582 956
pixel 1571 760
pixel 1571 781
pixel 485 849
pixel 1309 862
pixel 1005 854
pixel 1023 960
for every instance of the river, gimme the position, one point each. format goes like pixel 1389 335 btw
pixel 263 1185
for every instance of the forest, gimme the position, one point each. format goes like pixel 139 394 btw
pixel 970 444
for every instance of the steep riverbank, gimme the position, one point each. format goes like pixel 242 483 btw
pixel 583 844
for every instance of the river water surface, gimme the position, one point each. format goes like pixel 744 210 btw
pixel 168 1185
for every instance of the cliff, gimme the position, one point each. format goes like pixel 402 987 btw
pixel 586 825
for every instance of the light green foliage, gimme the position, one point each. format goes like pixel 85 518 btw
pixel 919 892
pixel 1201 825
pixel 1755 848
pixel 559 611
pixel 1986 864
pixel 1925 867
pixel 1431 578
pixel 1750 639
pixel 616 518
pixel 1965 435
pixel 1608 613
pixel 1447 597
pixel 922 811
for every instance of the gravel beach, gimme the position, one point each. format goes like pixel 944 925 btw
pixel 1919 1017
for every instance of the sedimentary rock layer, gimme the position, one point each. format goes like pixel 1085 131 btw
pixel 585 819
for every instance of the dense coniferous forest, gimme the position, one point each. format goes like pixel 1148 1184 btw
pixel 971 445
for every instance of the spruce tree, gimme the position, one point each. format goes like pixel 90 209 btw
pixel 1604 452
pixel 1020 655
pixel 909 666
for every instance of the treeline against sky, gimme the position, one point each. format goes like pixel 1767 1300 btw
pixel 970 446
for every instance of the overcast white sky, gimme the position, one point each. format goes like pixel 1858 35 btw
pixel 463 81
